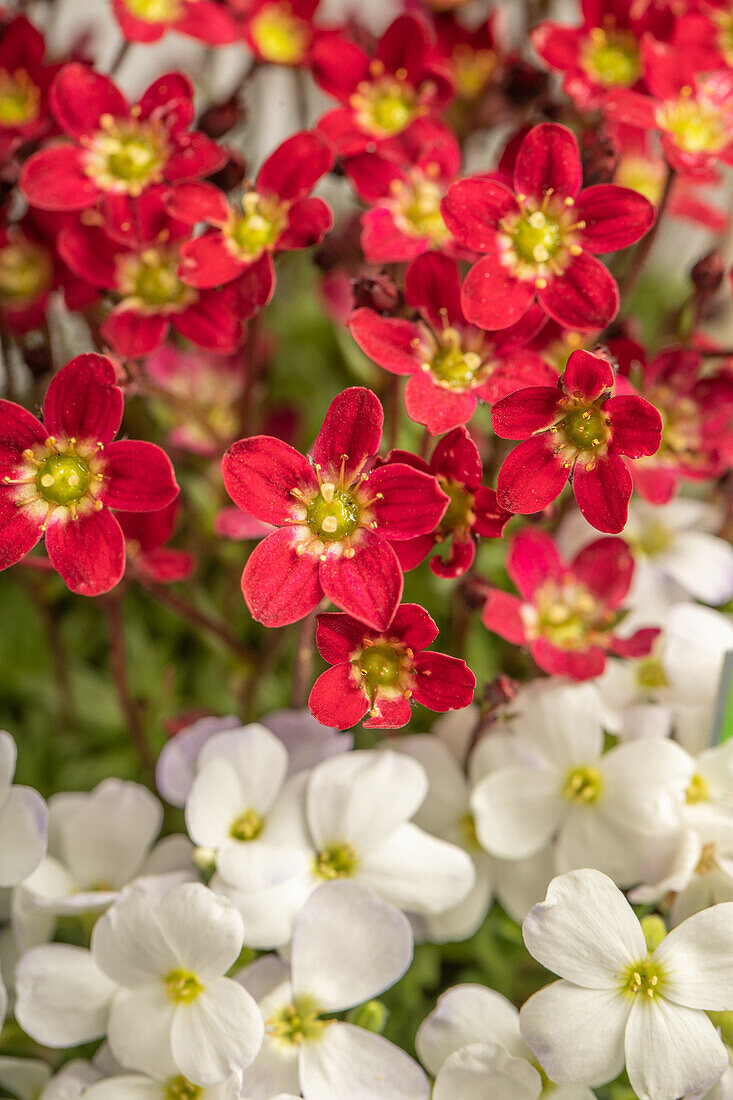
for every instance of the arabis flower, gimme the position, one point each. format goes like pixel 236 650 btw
pixel 620 1002
pixel 581 431
pixel 23 821
pixel 379 672
pixel 541 236
pixel 348 947
pixel 62 477
pixel 125 1085
pixel 335 517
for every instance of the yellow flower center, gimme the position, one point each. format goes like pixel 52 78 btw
pixel 63 478
pixel 698 790
pixel 156 11
pixel 459 513
pixel 20 99
pixel 472 70
pixel 126 155
pixel 180 1088
pixel 385 106
pixel 582 786
pixel 182 986
pixel 695 125
pixel 297 1023
pixel 585 429
pixel 281 37
pixel 247 826
pixel 333 514
pixel 537 237
pixel 335 861
pixel 261 223
pixel 149 282
pixel 649 673
pixel 612 59
pixel 644 979
pixel 568 615
pixel 26 272
pixel 468 832
pixel 418 209
pixel 708 861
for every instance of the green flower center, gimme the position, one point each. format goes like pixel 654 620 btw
pixel 613 60
pixel 585 429
pixel 255 230
pixel 20 99
pixel 454 368
pixel 158 284
pixel 179 1088
pixel 182 986
pixel 537 237
pixel 472 70
pixel 248 826
pixel 63 479
pixel 459 513
pixel 654 539
pixel 25 271
pixel 280 36
pixel 650 673
pixel 645 978
pixel 335 861
pixel 333 514
pixel 157 11
pixel 297 1023
pixel 392 111
pixel 380 665
pixel 582 786
pixel 698 790
pixel 133 159
pixel 468 832
pixel 385 106
pixel 696 126
pixel 421 211
pixel 568 615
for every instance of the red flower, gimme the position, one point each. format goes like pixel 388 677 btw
pixel 577 430
pixel 148 20
pixel 116 149
pixel 274 216
pixel 335 517
pixel 540 238
pixel 280 32
pixel 706 35
pixel 693 111
pixel 380 671
pixel 147 556
pixel 451 362
pixel 472 512
pixel 62 477
pixel 140 269
pixel 470 54
pixel 382 96
pixel 24 83
pixel 567 614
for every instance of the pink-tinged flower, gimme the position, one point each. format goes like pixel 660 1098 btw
pixel 140 272
pixel 148 558
pixel 693 111
pixel 382 96
pixel 280 32
pixel 473 511
pixel 451 363
pixel 696 405
pixel 116 149
pixel 471 55
pixel 540 238
pixel 706 36
pixel 378 672
pixel 578 430
pixel 567 614
pixel 61 478
pixel 336 517
pixel 24 84
pixel 277 214
pixel 148 20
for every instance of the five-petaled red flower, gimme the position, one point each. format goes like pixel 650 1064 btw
pixel 379 671
pixel 148 20
pixel 539 238
pixel 148 558
pixel 116 149
pixel 24 84
pixel 578 430
pixel 335 517
pixel 62 477
pixel 567 614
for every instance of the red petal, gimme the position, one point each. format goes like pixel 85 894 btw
pixel 632 108
pixel 492 298
pixel 530 478
pixel 412 502
pixel 367 586
pixel 295 167
pixel 587 376
pixel 473 208
pixel 371 175
pixel 410 552
pixel 198 202
pixel 209 22
pixel 388 714
pixel 54 180
pixel 91 254
pixel 194 155
pixel 79 96
pixel 138 476
pixel 655 484
pixel 18 431
pixel 576 664
pixel 524 412
pixel 606 567
pixel 212 321
pixel 309 220
pixel 404 46
pixel 340 638
pixel 666 70
pixel 548 161
pixel 387 340
pixel 433 286
pixel 170 100
pixel 132 334
pixel 442 683
pixel 516 371
pixel 19 530
pixel 502 615
pixel 280 586
pixel 614 217
pixel 207 262
pixel 636 426
pixel 603 493
pixel 338 65
pixel 149 529
pixel 438 409
pixel 490 518
pixel 556 44
pixel 460 558
pixel 457 457
pixel 84 401
pixel 413 626
pixel 534 559
pixel 254 288
pixel 639 644
pixel 584 297
pixel 261 472
pixel 336 700
pixel 352 429
pixel 88 552
pixel 166 566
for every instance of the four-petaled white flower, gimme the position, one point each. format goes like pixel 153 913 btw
pixel 23 821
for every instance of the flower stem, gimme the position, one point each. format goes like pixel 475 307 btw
pixel 641 253
pixel 129 706
pixel 303 664
pixel 199 619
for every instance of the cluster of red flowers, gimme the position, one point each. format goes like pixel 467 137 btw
pixel 501 292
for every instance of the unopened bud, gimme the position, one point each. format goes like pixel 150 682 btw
pixel 372 1016
pixel 654 930
pixel 220 118
pixel 233 172
pixel 707 274
pixel 379 293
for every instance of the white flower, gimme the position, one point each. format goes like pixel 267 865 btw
pixel 23 821
pixel 176 1013
pixel 604 809
pixel 31 1079
pixel 347 818
pixel 348 947
pixel 128 1086
pixel 617 1002
pixel 62 997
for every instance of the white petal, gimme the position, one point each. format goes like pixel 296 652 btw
pixel 258 758
pixel 695 641
pixel 588 838
pixel 697 958
pixel 351 1062
pixel 482 1070
pixel 176 766
pixel 456 729
pixel 126 1087
pixel 23 1077
pixel 671 1050
pixel 263 975
pixel 172 853
pixel 63 998
pixel 71 1081
pixel 577 1034
pixel 348 946
pixel 307 741
pixel 204 929
pixel 447 797
pixel 8 758
pixel 214 803
pixel 645 783
pixel 217 1034
pixel 468 1014
pixel 139 1031
pixel 129 944
pixel 463 920
pixel 361 797
pixel 585 930
pixel 560 721
pixel 269 913
pixel 275 1069
pixel 702 564
pixel 519 884
pixel 517 810
pixel 418 872
pixel 23 825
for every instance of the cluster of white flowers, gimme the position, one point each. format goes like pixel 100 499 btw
pixel 242 961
